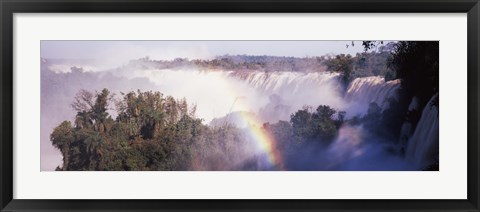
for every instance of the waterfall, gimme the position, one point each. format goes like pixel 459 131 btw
pixel 423 145
pixel 273 96
pixel 366 90
pixel 288 82
pixel 228 96
pixel 406 130
pixel 287 92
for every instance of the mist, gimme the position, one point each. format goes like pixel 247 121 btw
pixel 58 89
pixel 221 97
pixel 279 112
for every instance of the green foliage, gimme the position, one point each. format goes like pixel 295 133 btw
pixel 62 135
pixel 417 64
pixel 342 63
pixel 100 107
pixel 373 64
pixel 307 133
pixel 302 124
pixel 316 126
pixel 151 132
pixel 61 138
pixel 363 65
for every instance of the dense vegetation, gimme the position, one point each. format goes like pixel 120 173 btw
pixel 151 132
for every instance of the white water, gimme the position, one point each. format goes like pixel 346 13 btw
pixel 288 92
pixel 423 145
pixel 363 91
pixel 275 96
pixel 407 128
pixel 272 96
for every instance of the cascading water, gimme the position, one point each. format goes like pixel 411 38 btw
pixel 272 96
pixel 365 90
pixel 288 92
pixel 406 131
pixel 423 145
pixel 288 82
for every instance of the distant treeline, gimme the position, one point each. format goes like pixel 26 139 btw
pixel 372 63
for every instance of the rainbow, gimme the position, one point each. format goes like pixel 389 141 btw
pixel 264 140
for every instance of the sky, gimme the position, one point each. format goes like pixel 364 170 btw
pixel 166 50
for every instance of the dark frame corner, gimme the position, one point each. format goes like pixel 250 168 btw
pixel 9 7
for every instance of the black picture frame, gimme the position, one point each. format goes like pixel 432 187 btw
pixel 9 7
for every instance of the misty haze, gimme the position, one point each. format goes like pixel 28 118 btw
pixel 239 106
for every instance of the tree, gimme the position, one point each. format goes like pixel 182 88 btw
pixel 417 64
pixel 302 124
pixel 99 109
pixel 61 137
pixel 324 124
pixel 325 112
pixel 343 64
pixel 151 132
pixel 83 101
pixel 317 126
pixel 367 45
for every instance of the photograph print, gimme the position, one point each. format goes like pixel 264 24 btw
pixel 239 105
